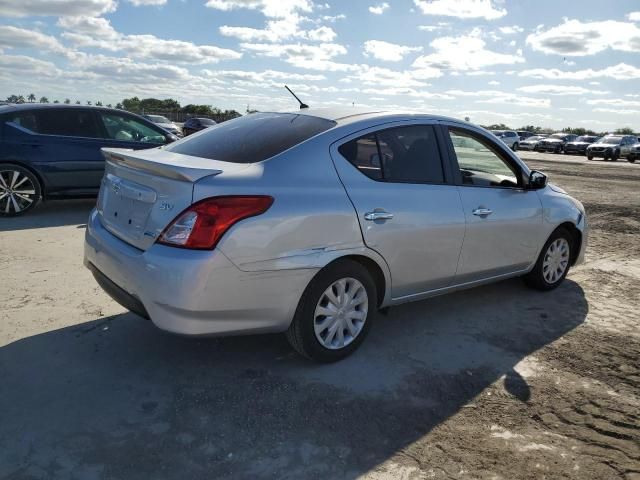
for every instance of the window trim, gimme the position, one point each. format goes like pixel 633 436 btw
pixel 440 143
pixel 498 150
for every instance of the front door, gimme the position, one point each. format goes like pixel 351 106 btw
pixel 407 210
pixel 503 218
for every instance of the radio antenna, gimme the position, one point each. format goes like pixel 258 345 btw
pixel 302 105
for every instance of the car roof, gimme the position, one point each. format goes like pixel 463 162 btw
pixel 346 115
pixel 18 107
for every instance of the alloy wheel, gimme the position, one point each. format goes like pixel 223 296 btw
pixel 556 260
pixel 17 192
pixel 340 313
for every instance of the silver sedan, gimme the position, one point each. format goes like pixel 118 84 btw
pixel 310 222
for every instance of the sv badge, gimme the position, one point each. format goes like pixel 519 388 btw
pixel 166 206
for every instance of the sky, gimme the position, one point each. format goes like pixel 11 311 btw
pixel 554 63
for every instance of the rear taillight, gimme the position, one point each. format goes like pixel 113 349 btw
pixel 203 224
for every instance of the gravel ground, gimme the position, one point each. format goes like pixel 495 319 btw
pixel 498 382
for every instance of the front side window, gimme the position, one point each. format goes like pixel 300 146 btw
pixel 25 120
pixel 403 154
pixel 122 127
pixel 480 164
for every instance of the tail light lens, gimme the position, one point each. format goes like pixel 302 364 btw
pixel 202 225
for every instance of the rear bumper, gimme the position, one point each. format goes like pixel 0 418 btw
pixel 189 292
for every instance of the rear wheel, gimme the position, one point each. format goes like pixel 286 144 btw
pixel 631 159
pixel 552 265
pixel 614 156
pixel 20 190
pixel 335 312
pixel 515 147
pixel 589 157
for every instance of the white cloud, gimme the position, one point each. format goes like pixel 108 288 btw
pixel 312 57
pixel 467 52
pixel 145 3
pixel 614 102
pixel 98 33
pixel 494 82
pixel 279 30
pixel 621 71
pixel 511 30
pixel 26 65
pixel 501 97
pixel 560 90
pixel 379 9
pixel 385 77
pixel 269 8
pixel 617 111
pixel 634 16
pixel 386 51
pixel 57 8
pixel 461 8
pixel 433 28
pixel 14 37
pixel 576 38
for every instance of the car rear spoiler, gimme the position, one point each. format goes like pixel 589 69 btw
pixel 162 163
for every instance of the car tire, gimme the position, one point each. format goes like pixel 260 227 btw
pixel 514 147
pixel 554 262
pixel 589 157
pixel 631 159
pixel 614 156
pixel 558 150
pixel 20 190
pixel 310 334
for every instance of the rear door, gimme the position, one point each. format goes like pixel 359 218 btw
pixel 503 218
pixel 408 210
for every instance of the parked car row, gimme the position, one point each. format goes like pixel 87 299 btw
pixel 608 147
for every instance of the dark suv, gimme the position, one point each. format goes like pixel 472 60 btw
pixel 612 147
pixel 580 144
pixel 555 143
pixel 193 125
pixel 49 151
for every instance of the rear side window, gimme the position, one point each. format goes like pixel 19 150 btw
pixel 252 138
pixel 403 154
pixel 24 119
pixel 67 122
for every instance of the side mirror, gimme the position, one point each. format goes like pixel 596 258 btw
pixel 537 180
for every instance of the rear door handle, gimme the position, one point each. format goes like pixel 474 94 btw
pixel 378 215
pixel 482 212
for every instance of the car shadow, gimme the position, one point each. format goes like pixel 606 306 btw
pixel 117 398
pixel 52 213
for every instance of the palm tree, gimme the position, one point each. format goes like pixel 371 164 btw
pixel 88 102
pixel 109 105
pixel 12 99
pixel 31 98
pixel 20 99
pixel 67 101
pixel 77 102
pixel 98 103
pixel 56 101
pixel 44 100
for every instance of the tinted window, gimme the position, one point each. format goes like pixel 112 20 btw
pixel 70 122
pixel 24 119
pixel 125 128
pixel 252 138
pixel 65 122
pixel 404 154
pixel 363 154
pixel 205 121
pixel 479 162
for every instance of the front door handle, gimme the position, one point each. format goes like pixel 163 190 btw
pixel 482 212
pixel 378 215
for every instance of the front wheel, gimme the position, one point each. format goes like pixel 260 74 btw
pixel 20 190
pixel 335 312
pixel 552 265
pixel 614 156
pixel 515 147
pixel 631 159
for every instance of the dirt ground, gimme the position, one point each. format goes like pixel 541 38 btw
pixel 499 382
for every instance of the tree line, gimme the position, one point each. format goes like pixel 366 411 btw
pixel 176 112
pixel 169 107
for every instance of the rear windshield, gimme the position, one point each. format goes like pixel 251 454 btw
pixel 251 138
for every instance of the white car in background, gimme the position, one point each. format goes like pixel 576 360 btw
pixel 510 138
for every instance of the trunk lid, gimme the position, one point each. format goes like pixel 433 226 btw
pixel 142 191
